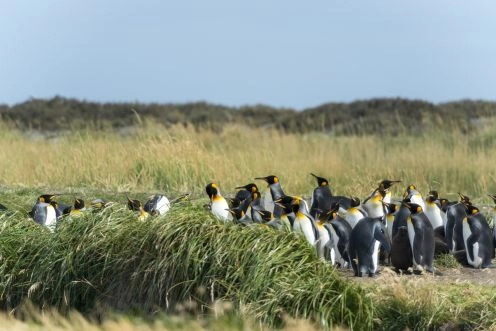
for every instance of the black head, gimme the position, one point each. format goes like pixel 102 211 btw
pixel 386 184
pixel 355 202
pixel 252 187
pixel 414 208
pixel 321 181
pixel 391 208
pixel 266 215
pixel 237 212
pixel 134 204
pixel 285 203
pixel 47 198
pixel 255 195
pixel 212 190
pixel 270 179
pixel 464 199
pixel 333 213
pixel 78 203
pixel 471 210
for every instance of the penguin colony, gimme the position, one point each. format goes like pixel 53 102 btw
pixel 343 230
pixel 349 233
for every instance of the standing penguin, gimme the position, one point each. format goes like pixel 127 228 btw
pixel 325 244
pixel 321 197
pixel 276 192
pixel 218 205
pixel 421 235
pixel 401 251
pixel 354 213
pixel 433 211
pixel 478 239
pixel 454 224
pixel 303 222
pixel 384 186
pixel 391 211
pixel 340 231
pixel 364 245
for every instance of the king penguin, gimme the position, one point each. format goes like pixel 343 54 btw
pixel 454 224
pixel 276 191
pixel 354 213
pixel 340 231
pixel 137 207
pixel 433 210
pixel 303 222
pixel 384 186
pixel 421 236
pixel 401 251
pixel 218 205
pixel 478 239
pixel 44 213
pixel 325 244
pixel 78 208
pixel 157 204
pixel 364 245
pixel 321 197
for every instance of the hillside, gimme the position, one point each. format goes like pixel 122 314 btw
pixel 378 116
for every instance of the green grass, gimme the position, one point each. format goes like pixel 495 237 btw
pixel 109 259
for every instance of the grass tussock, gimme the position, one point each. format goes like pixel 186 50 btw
pixel 179 159
pixel 111 260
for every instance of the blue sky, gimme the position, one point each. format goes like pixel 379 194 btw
pixel 282 53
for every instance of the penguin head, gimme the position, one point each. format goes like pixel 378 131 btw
pixel 237 212
pixel 355 202
pixel 134 204
pixel 321 181
pixel 252 187
pixel 414 208
pixel 212 190
pixel 409 188
pixel 98 203
pixel 471 210
pixel 255 195
pixel 266 215
pixel 464 199
pixel 285 203
pixel 386 184
pixel 270 179
pixel 47 198
pixel 432 196
pixel 391 208
pixel 333 212
pixel 78 204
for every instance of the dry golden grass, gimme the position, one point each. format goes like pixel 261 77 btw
pixel 181 159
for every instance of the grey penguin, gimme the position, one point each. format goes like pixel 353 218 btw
pixel 341 231
pixel 276 192
pixel 401 251
pixel 421 236
pixel 478 239
pixel 454 224
pixel 364 245
pixel 321 197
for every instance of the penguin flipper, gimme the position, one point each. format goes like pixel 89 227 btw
pixel 417 246
pixel 471 240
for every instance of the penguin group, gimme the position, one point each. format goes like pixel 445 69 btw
pixel 405 234
pixel 48 212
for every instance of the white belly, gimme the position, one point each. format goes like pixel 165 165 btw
pixel 352 217
pixel 411 236
pixel 163 205
pixel 51 218
pixel 375 256
pixel 323 241
pixel 220 209
pixel 477 261
pixel 305 227
pixel 375 209
pixel 433 213
pixel 416 198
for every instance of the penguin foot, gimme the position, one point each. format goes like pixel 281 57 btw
pixel 371 274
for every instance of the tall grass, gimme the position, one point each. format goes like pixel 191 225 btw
pixel 182 159
pixel 112 260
